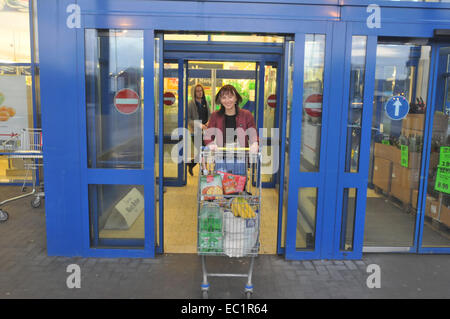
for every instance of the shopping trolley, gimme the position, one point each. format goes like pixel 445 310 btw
pixel 229 209
pixel 25 145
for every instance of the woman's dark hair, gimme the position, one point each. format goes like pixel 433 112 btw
pixel 228 89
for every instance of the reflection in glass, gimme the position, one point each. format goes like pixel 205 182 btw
pixel 290 89
pixel 170 86
pixel 212 75
pixel 14 32
pixel 437 206
pixel 224 38
pixel 356 97
pixel 171 121
pixel 348 219
pixel 396 145
pixel 116 216
pixel 306 218
pixel 312 102
pixel 156 84
pixel 114 61
pixel 270 91
pixel 16 113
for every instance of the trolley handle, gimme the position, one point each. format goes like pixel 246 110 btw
pixel 206 148
pixel 227 149
pixel 233 149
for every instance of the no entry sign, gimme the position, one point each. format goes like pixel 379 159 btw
pixel 169 98
pixel 126 101
pixel 313 105
pixel 272 100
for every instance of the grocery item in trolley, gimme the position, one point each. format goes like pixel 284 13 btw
pixel 231 183
pixel 210 185
pixel 241 208
pixel 210 229
pixel 240 235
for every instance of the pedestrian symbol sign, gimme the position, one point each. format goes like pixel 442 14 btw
pixel 396 108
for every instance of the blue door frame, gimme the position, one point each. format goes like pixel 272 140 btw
pixel 101 176
pixel 180 53
pixel 262 55
pixel 322 180
pixel 359 180
pixel 437 73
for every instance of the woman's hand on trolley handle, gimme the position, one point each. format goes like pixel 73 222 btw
pixel 212 147
pixel 254 148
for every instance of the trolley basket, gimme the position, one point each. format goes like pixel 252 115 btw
pixel 229 208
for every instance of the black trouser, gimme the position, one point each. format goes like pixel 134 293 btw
pixel 196 158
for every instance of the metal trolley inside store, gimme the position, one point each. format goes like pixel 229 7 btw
pixel 229 209
pixel 26 145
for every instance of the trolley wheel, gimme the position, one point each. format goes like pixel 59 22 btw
pixel 205 294
pixel 36 202
pixel 3 216
pixel 248 295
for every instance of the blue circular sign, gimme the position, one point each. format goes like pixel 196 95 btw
pixel 397 107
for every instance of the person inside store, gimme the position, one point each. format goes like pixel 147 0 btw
pixel 198 117
pixel 231 125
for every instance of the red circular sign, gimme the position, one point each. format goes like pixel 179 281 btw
pixel 272 100
pixel 126 101
pixel 313 105
pixel 169 98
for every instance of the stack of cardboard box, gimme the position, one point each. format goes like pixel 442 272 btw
pixel 385 155
pixel 403 182
pixel 413 125
pixel 433 208
pixel 399 181
pixel 436 211
pixel 391 177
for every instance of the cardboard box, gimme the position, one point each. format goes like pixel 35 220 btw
pixel 406 177
pixel 388 152
pixel 398 190
pixel 440 123
pixel 407 132
pixel 445 215
pixel 414 160
pixel 434 160
pixel 401 193
pixel 16 163
pixel 414 197
pixel 382 172
pixel 432 207
pixel 414 122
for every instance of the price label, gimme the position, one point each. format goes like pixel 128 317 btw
pixel 444 157
pixel 442 180
pixel 404 156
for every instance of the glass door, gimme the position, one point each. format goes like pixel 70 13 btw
pixel 174 113
pixel 400 101
pixel 118 161
pixel 435 232
pixel 268 120
pixel 306 169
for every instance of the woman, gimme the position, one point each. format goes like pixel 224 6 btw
pixel 230 124
pixel 198 116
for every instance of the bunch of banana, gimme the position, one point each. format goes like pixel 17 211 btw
pixel 241 208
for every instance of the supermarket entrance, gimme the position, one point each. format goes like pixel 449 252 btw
pixel 407 197
pixel 255 70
